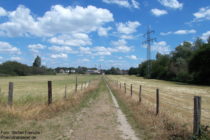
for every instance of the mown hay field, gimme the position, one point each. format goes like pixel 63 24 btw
pixel 176 99
pixel 34 89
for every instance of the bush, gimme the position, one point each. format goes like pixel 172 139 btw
pixel 13 68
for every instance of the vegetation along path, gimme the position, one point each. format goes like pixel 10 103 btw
pixel 97 117
pixel 101 120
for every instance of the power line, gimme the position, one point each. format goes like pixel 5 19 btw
pixel 148 42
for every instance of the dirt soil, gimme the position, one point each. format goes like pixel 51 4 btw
pixel 97 122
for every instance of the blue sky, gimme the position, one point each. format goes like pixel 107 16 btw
pixel 93 32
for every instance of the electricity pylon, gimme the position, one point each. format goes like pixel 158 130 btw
pixel 148 42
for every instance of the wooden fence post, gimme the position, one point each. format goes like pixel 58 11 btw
pixel 49 92
pixel 125 87
pixel 131 89
pixel 10 94
pixel 197 116
pixel 120 85
pixel 65 92
pixel 76 85
pixel 157 101
pixel 140 93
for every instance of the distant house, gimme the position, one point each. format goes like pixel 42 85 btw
pixel 64 71
pixel 123 72
pixel 67 71
pixel 72 71
pixel 93 72
pixel 61 71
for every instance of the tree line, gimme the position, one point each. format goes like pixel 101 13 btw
pixel 189 62
pixel 14 68
pixel 83 70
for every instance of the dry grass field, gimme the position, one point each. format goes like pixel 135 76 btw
pixel 33 89
pixel 176 99
pixel 30 95
pixel 34 115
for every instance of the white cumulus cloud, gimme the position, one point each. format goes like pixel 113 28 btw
pixel 64 49
pixel 121 46
pixel 76 39
pixel 61 55
pixel 103 31
pixel 101 50
pixel 15 58
pixel 124 3
pixel 158 12
pixel 128 27
pixel 179 32
pixel 127 36
pixel 74 19
pixel 85 50
pixel 6 47
pixel 202 14
pixel 20 23
pixel 58 20
pixel 205 35
pixel 3 12
pixel 161 47
pixel 135 4
pixel 133 57
pixel 183 32
pixel 36 47
pixel 174 4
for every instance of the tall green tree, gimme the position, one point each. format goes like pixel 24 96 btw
pixel 199 65
pixel 37 62
pixel 208 40
pixel 198 43
pixel 160 67
pixel 133 71
pixel 143 69
pixel 179 62
pixel 187 63
pixel 113 70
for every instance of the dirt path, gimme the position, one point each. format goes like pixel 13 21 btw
pixel 124 126
pixel 102 120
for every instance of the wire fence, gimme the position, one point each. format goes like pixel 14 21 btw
pixel 41 91
pixel 180 104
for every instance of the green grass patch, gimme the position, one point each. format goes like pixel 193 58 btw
pixel 7 119
pixel 92 95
